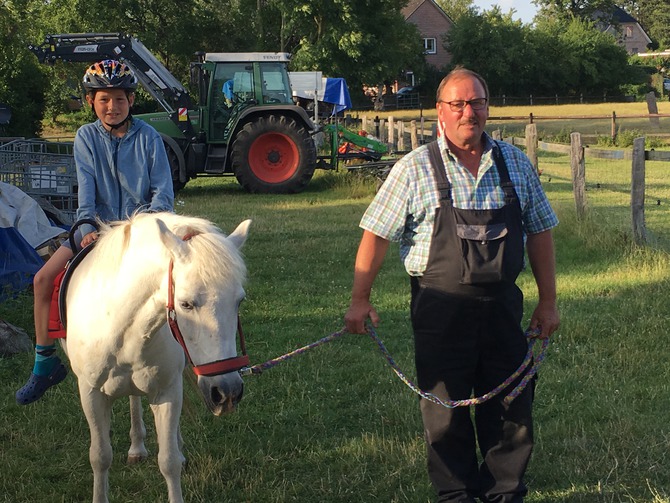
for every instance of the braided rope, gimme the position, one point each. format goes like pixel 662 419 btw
pixel 450 404
pixel 257 369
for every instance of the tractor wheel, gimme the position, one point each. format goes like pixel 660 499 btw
pixel 274 154
pixel 177 185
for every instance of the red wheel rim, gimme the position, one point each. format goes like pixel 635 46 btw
pixel 273 157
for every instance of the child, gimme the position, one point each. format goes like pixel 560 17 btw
pixel 122 168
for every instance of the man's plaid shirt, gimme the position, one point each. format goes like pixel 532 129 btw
pixel 404 208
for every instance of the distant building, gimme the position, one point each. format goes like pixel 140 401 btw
pixel 433 23
pixel 625 28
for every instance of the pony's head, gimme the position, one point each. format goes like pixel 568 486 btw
pixel 207 279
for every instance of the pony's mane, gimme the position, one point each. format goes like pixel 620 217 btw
pixel 215 257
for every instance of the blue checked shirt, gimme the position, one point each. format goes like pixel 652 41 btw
pixel 404 208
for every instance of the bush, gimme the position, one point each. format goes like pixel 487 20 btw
pixel 626 137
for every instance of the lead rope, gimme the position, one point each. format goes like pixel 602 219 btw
pixel 531 335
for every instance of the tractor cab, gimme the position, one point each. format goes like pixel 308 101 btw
pixel 239 81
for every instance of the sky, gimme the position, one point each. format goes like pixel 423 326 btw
pixel 525 10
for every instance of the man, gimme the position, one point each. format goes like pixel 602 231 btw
pixel 122 168
pixel 461 225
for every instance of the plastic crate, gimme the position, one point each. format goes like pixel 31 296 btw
pixel 42 169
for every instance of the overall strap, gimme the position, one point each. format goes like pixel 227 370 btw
pixel 505 181
pixel 443 184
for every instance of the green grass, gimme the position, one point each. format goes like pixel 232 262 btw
pixel 335 424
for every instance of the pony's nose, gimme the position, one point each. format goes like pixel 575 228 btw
pixel 222 393
pixel 227 394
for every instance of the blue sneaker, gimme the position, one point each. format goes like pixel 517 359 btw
pixel 38 385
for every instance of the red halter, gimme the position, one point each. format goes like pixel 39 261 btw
pixel 218 367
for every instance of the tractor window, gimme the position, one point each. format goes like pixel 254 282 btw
pixel 234 83
pixel 276 86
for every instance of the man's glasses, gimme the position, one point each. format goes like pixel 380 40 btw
pixel 459 105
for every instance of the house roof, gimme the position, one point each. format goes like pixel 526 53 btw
pixel 621 16
pixel 413 5
pixel 617 17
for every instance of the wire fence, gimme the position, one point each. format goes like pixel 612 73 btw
pixel 608 192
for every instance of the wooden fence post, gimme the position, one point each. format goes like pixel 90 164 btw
pixel 613 131
pixel 652 108
pixel 637 192
pixel 531 144
pixel 414 138
pixel 577 165
pixel 382 131
pixel 391 135
pixel 401 136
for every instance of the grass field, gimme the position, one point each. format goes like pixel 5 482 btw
pixel 335 424
pixel 551 122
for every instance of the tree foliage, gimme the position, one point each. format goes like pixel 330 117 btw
pixel 564 57
pixel 653 15
pixel 364 42
pixel 21 81
pixel 566 10
pixel 456 8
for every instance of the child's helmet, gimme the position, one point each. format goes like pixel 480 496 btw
pixel 109 74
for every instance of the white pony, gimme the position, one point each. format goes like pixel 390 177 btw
pixel 120 344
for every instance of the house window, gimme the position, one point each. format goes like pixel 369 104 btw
pixel 629 32
pixel 430 45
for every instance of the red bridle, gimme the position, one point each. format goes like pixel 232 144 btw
pixel 207 369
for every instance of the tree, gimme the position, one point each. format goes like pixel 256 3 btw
pixel 497 47
pixel 596 62
pixel 566 57
pixel 363 42
pixel 568 9
pixel 21 82
pixel 456 8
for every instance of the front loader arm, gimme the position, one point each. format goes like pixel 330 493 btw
pixel 152 74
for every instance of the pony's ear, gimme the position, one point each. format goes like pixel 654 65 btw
pixel 178 248
pixel 239 235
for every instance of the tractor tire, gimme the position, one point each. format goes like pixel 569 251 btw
pixel 273 155
pixel 177 185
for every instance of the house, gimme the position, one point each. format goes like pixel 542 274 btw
pixel 625 29
pixel 433 23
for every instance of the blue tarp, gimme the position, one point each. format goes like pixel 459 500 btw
pixel 24 227
pixel 18 262
pixel 337 93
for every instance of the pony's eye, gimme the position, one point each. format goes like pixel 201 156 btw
pixel 186 306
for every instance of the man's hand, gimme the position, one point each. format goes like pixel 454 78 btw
pixel 358 314
pixel 546 318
